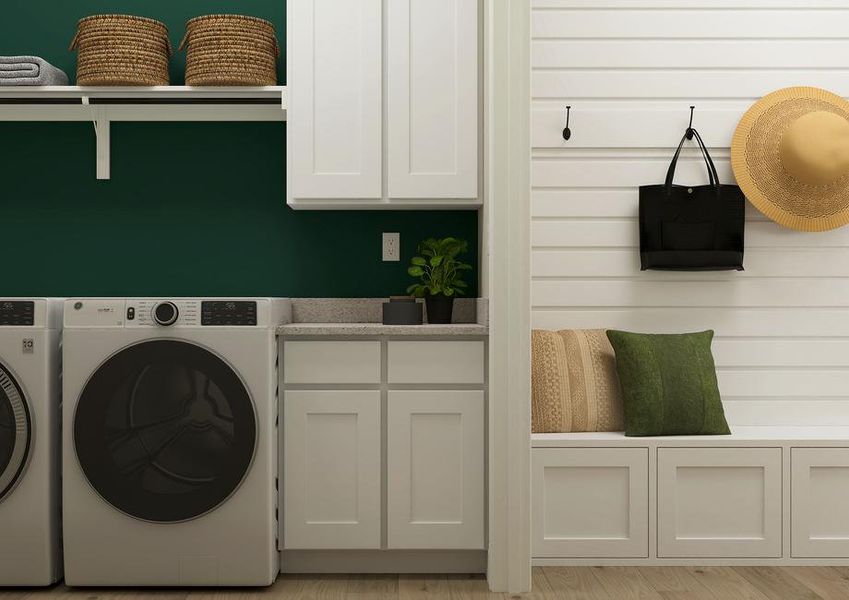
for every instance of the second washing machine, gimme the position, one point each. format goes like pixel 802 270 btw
pixel 170 420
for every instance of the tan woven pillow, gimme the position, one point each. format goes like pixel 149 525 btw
pixel 575 386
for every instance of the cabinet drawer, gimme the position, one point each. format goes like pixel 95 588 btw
pixel 331 362
pixel 436 362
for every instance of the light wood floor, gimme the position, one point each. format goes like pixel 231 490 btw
pixel 550 583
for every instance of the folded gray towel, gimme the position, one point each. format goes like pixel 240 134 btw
pixel 29 70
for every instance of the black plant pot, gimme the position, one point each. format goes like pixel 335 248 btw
pixel 439 309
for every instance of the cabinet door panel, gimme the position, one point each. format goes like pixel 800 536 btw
pixel 719 502
pixel 334 123
pixel 589 502
pixel 820 519
pixel 435 469
pixel 332 469
pixel 432 99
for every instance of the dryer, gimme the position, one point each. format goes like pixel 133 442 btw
pixel 29 441
pixel 170 429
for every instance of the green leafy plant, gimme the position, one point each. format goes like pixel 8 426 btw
pixel 438 269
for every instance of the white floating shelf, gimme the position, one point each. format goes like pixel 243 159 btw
pixel 102 105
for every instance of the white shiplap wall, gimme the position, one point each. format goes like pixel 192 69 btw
pixel 630 69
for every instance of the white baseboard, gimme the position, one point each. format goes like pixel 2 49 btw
pixel 383 561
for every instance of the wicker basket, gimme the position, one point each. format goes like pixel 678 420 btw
pixel 230 50
pixel 122 50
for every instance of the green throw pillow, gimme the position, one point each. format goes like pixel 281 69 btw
pixel 668 384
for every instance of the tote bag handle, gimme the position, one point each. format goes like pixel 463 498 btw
pixel 711 168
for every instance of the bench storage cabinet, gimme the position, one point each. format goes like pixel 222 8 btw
pixel 766 495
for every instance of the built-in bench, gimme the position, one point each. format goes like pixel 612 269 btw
pixel 763 495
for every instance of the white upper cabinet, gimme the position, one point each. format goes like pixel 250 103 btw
pixel 383 103
pixel 334 128
pixel 432 98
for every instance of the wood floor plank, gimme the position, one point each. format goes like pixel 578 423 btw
pixel 725 583
pixel 625 583
pixel 323 587
pixel 674 583
pixel 574 583
pixel 470 587
pixel 775 583
pixel 423 587
pixel 828 583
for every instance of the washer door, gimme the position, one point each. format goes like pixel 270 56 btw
pixel 165 431
pixel 15 432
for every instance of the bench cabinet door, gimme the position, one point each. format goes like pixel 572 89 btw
pixel 435 469
pixel 719 502
pixel 331 469
pixel 590 502
pixel 820 502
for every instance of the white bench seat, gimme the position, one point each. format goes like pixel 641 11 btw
pixel 762 495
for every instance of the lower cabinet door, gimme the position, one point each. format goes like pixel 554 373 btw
pixel 589 502
pixel 719 502
pixel 332 474
pixel 435 469
pixel 820 502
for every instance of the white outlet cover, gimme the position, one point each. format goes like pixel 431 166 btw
pixel 391 247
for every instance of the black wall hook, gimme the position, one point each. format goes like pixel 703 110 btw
pixel 567 133
pixel 689 133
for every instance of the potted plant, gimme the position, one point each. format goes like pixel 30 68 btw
pixel 440 276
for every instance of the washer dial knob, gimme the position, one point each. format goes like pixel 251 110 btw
pixel 166 313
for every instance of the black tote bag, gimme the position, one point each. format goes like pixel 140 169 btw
pixel 692 228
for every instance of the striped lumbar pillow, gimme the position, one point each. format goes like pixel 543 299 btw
pixel 575 387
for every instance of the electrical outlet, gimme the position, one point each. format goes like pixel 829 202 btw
pixel 391 247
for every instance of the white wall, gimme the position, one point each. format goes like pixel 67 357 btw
pixel 630 69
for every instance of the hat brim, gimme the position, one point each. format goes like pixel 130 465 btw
pixel 758 170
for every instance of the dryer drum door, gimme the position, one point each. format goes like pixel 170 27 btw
pixel 15 432
pixel 165 431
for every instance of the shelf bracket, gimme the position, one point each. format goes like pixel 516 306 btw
pixel 100 118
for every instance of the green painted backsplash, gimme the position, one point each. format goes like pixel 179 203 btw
pixel 192 209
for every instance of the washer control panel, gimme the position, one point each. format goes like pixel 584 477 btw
pixel 17 313
pixel 169 313
pixel 228 312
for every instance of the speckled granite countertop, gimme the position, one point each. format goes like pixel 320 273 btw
pixel 354 329
pixel 362 317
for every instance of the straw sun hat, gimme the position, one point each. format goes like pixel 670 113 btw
pixel 790 156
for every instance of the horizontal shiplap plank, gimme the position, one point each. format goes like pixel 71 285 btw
pixel 633 128
pixel 758 262
pixel 576 172
pixel 715 24
pixel 737 353
pixel 783 382
pixel 690 54
pixel 726 322
pixel 688 4
pixel 788 412
pixel 624 233
pixel 680 84
pixel 726 293
pixel 598 203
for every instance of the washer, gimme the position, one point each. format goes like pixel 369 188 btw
pixel 29 441
pixel 170 429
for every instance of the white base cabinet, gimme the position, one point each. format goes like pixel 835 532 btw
pixel 395 462
pixel 435 469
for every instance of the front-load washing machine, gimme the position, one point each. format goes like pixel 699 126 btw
pixel 29 441
pixel 170 420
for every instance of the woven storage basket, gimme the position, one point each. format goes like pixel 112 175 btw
pixel 230 50
pixel 122 50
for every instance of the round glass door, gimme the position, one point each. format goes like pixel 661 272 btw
pixel 165 431
pixel 14 432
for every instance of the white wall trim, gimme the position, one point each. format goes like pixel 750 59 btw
pixel 508 189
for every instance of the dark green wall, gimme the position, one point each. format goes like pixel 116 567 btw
pixel 191 209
